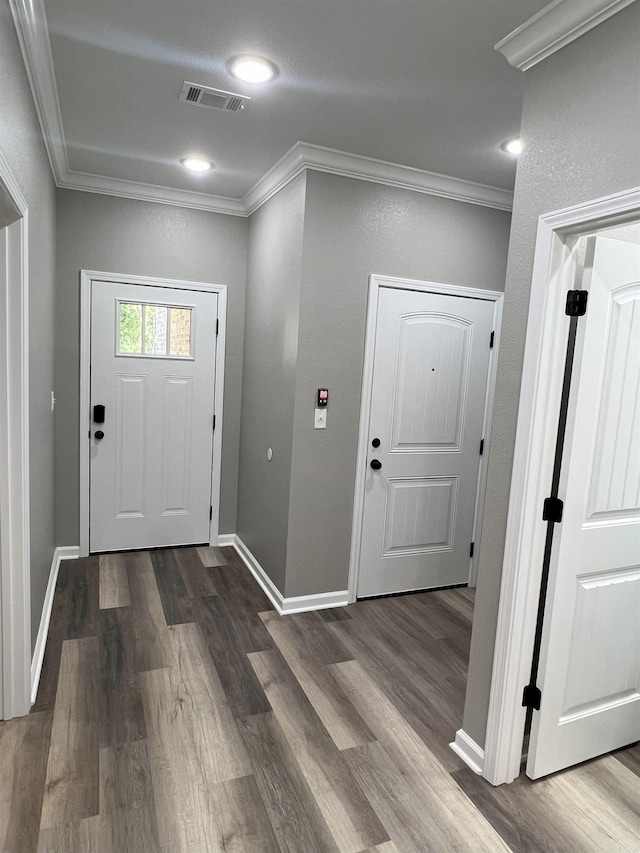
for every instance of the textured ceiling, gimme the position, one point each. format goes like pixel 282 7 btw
pixel 414 82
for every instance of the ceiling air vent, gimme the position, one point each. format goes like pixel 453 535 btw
pixel 216 99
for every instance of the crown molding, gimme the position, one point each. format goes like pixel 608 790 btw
pixel 304 155
pixel 553 28
pixel 86 182
pixel 31 26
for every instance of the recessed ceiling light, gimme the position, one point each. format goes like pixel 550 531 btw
pixel 252 69
pixel 513 146
pixel 197 164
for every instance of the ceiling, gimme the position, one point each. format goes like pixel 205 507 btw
pixel 412 82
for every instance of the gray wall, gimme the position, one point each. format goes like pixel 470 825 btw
pixel 269 376
pixel 99 232
pixel 581 126
pixel 352 229
pixel 22 147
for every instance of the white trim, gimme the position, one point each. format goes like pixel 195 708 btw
pixel 300 157
pixel 226 539
pixel 303 156
pixel 553 28
pixel 481 490
pixel 268 587
pixel 468 750
pixel 15 551
pixel 87 277
pixel 540 393
pixel 31 24
pixel 218 411
pixel 122 188
pixel 31 27
pixel 375 283
pixel 293 604
pixel 69 552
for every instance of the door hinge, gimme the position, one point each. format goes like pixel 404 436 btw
pixel 491 339
pixel 531 697
pixel 576 303
pixel 217 326
pixel 214 422
pixel 481 446
pixel 472 549
pixel 210 513
pixel 552 509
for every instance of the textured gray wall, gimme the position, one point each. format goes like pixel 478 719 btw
pixel 99 232
pixel 269 376
pixel 352 229
pixel 22 147
pixel 581 126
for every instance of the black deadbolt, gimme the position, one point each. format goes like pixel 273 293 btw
pixel 376 464
pixel 98 434
pixel 375 442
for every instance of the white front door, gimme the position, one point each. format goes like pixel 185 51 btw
pixel 152 370
pixel 431 360
pixel 589 670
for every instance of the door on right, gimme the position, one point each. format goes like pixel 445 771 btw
pixel 430 373
pixel 589 672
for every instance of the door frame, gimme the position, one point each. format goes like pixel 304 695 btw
pixel 15 551
pixel 539 407
pixel 87 277
pixel 376 282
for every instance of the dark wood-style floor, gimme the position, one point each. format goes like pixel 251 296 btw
pixel 178 712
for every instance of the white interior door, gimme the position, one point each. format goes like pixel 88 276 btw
pixel 589 670
pixel 152 369
pixel 430 372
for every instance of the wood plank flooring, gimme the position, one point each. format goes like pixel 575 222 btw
pixel 178 712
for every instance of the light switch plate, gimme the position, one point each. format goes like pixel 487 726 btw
pixel 320 420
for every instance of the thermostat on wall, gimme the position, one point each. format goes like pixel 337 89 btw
pixel 323 398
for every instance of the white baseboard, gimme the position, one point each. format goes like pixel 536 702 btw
pixel 468 750
pixel 67 552
pixel 226 539
pixel 293 604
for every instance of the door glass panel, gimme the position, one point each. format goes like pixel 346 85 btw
pixel 157 331
pixel 180 332
pixel 130 329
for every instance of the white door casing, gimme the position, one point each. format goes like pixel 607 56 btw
pixel 15 571
pixel 425 398
pixel 156 471
pixel 589 670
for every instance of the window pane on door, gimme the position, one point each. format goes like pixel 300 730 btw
pixel 130 329
pixel 151 330
pixel 180 333
pixel 155 329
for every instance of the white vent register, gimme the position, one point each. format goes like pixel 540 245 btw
pixel 214 99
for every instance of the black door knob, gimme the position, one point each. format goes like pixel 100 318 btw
pixel 98 434
pixel 376 464
pixel 375 442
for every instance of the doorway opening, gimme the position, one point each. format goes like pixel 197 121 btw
pixel 564 238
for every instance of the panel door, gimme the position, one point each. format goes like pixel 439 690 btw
pixel 427 408
pixel 590 656
pixel 152 368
